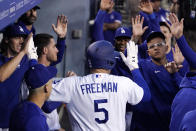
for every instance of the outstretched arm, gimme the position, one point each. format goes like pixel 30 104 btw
pixel 61 30
pixel 8 68
pixel 177 30
pixel 99 20
pixel 149 18
pixel 132 62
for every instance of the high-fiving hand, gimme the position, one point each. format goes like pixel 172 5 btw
pixel 61 26
pixel 132 56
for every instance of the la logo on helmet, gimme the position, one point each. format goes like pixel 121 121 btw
pixel 122 31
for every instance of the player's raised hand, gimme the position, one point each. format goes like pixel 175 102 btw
pixel 32 50
pixel 172 67
pixel 132 56
pixel 176 27
pixel 106 4
pixel 138 31
pixel 61 26
pixel 146 7
pixel 177 55
pixel 26 43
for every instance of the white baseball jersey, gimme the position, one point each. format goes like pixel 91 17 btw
pixel 97 102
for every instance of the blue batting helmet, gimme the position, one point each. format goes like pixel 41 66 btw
pixel 100 55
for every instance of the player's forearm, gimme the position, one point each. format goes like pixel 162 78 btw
pixel 138 78
pixel 187 52
pixel 177 78
pixel 98 26
pixel 111 26
pixel 8 68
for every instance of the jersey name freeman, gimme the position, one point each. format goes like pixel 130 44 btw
pixel 99 87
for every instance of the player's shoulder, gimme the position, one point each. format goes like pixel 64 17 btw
pixel 69 79
pixel 121 78
pixel 116 12
pixel 162 10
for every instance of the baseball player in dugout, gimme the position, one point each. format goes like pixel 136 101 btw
pixel 107 21
pixel 28 19
pixel 17 55
pixel 112 21
pixel 98 101
pixel 28 116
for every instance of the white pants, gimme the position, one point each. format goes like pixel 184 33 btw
pixel 4 129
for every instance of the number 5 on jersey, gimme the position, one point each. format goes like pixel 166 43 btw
pixel 97 109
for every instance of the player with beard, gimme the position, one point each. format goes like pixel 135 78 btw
pixel 28 19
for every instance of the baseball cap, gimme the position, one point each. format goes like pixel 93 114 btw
pixel 123 31
pixel 14 30
pixel 38 75
pixel 36 7
pixel 155 34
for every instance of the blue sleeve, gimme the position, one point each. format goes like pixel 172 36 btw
pixel 177 78
pixel 138 78
pixel 151 22
pixel 33 62
pixel 61 48
pixel 185 68
pixel 187 52
pixel 49 106
pixel 98 26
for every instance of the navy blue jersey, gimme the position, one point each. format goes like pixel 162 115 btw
pixel 153 20
pixel 9 90
pixel 28 117
pixel 25 29
pixel 155 115
pixel 112 17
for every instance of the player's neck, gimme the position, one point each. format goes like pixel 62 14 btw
pixel 159 62
pixel 37 99
pixel 100 71
pixel 43 61
pixel 29 27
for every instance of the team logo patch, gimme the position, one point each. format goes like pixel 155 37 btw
pixel 112 17
pixel 122 31
pixel 21 29
pixel 156 72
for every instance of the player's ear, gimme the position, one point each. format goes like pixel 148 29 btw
pixel 45 50
pixel 45 89
pixel 148 52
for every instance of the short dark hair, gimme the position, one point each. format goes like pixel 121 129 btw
pixel 41 41
pixel 3 45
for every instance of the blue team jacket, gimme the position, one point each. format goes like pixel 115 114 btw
pixel 27 116
pixel 188 122
pixel 184 101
